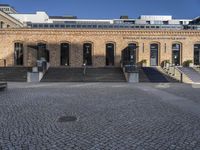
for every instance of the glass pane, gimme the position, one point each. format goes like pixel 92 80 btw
pixel 197 54
pixel 87 54
pixel 109 54
pixel 154 54
pixel 176 54
pixel 18 54
pixel 64 54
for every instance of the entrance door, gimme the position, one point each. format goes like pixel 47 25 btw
pixel 110 54
pixel 154 54
pixel 132 53
pixel 176 48
pixel 87 54
pixel 42 52
pixel 64 54
pixel 197 54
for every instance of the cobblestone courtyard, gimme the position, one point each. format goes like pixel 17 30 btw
pixel 110 116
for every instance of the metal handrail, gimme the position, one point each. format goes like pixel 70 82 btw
pixel 181 74
pixel 198 67
pixel 130 67
pixel 136 66
pixel 84 67
pixel 174 68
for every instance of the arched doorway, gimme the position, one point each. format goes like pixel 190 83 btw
pixel 42 52
pixel 110 56
pixel 128 55
pixel 64 54
pixel 154 54
pixel 132 52
pixel 18 54
pixel 196 54
pixel 176 54
pixel 87 54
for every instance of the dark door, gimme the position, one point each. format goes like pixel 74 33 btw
pixel 87 54
pixel 197 54
pixel 64 54
pixel 154 54
pixel 132 53
pixel 42 52
pixel 176 54
pixel 110 54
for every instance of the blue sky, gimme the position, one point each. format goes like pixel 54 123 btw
pixel 109 8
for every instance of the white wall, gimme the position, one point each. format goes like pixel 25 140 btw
pixel 39 17
pixel 152 17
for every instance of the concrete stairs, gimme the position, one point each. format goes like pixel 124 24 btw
pixel 3 85
pixel 153 74
pixel 14 74
pixel 60 74
pixel 197 69
pixel 191 73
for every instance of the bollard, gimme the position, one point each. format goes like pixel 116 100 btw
pixel 181 78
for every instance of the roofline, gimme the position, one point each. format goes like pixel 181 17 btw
pixel 4 5
pixel 9 17
pixel 7 5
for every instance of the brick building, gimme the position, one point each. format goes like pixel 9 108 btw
pixel 68 41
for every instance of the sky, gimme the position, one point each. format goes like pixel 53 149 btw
pixel 105 9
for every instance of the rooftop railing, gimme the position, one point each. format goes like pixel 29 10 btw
pixel 112 26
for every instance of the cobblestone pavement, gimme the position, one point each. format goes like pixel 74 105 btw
pixel 110 116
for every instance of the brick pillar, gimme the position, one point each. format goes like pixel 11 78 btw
pixel 76 54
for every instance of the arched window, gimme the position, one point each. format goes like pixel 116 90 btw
pixel 87 54
pixel 64 54
pixel 196 54
pixel 18 53
pixel 154 47
pixel 176 54
pixel 110 54
pixel 43 53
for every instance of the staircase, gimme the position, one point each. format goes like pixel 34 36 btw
pixel 104 75
pixel 14 74
pixel 60 74
pixel 3 85
pixel 191 73
pixel 197 69
pixel 152 74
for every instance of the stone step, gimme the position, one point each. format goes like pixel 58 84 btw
pixel 3 85
pixel 14 74
pixel 76 75
pixel 152 74
pixel 191 73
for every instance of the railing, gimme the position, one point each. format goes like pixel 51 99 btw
pixel 173 70
pixel 198 67
pixel 38 71
pixel 3 62
pixel 131 71
pixel 131 68
pixel 84 67
pixel 107 25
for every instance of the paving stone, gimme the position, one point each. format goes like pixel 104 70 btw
pixel 113 116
